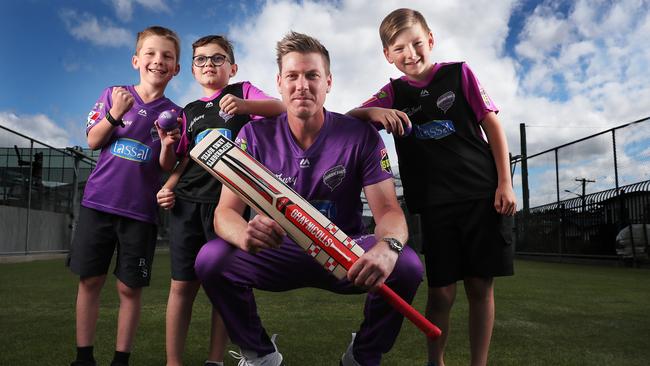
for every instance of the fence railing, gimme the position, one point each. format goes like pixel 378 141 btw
pixel 583 194
pixel 40 190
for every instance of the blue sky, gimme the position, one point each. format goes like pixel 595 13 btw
pixel 567 69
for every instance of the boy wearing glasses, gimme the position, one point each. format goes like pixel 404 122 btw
pixel 192 193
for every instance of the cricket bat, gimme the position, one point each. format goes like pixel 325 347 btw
pixel 309 228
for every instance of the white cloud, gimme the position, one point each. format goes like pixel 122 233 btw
pixel 87 27
pixel 39 127
pixel 577 68
pixel 124 8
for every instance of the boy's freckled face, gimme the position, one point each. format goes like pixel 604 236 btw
pixel 209 75
pixel 411 52
pixel 156 60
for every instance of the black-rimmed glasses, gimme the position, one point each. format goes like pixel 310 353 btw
pixel 217 60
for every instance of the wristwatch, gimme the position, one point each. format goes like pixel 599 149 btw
pixel 394 244
pixel 113 121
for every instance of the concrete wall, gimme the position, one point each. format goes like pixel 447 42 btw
pixel 48 231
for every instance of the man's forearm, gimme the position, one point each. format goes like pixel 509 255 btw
pixel 392 224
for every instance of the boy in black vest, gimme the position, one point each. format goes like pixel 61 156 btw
pixel 192 193
pixel 454 176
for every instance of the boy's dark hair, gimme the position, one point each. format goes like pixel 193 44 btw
pixel 301 43
pixel 159 31
pixel 222 41
pixel 397 21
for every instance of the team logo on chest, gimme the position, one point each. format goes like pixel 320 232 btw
pixel 225 116
pixel 334 176
pixel 446 100
pixel 209 105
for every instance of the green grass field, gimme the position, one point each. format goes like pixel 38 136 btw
pixel 548 314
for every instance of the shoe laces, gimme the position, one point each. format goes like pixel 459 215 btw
pixel 239 356
pixel 246 361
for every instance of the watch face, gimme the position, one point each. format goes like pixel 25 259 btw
pixel 394 244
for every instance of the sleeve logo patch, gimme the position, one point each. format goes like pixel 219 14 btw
pixel 486 98
pixel 92 118
pixel 385 161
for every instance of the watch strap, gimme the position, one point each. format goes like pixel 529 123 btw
pixel 394 244
pixel 113 121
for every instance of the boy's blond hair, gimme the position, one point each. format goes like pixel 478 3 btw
pixel 397 21
pixel 162 32
pixel 221 41
pixel 301 43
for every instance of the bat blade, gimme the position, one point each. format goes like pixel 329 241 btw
pixel 307 226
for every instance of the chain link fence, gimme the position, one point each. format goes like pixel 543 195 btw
pixel 40 190
pixel 588 198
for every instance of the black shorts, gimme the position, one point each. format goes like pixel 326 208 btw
pixel 96 236
pixel 466 239
pixel 190 225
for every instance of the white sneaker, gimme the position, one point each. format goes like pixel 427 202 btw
pixel 348 358
pixel 249 358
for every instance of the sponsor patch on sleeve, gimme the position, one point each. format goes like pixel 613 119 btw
pixel 486 98
pixel 385 161
pixel 241 142
pixel 93 116
pixel 380 95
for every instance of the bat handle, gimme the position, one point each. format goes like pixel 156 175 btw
pixel 409 312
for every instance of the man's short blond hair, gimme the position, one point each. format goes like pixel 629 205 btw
pixel 301 43
pixel 162 32
pixel 397 21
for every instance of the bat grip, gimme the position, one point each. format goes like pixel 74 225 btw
pixel 409 312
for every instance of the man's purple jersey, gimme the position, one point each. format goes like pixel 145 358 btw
pixel 127 175
pixel 347 155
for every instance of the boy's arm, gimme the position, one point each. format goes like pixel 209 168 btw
pixel 168 140
pixel 259 107
pixel 166 197
pixel 393 120
pixel 101 133
pixel 505 201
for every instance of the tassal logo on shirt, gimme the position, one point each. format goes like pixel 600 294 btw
pixel 131 150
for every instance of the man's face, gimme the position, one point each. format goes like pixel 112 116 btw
pixel 303 83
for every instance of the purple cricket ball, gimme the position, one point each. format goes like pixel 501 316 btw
pixel 167 120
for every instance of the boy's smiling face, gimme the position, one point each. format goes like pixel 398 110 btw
pixel 156 60
pixel 210 76
pixel 411 52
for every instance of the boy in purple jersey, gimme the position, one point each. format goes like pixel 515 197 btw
pixel 225 107
pixel 458 183
pixel 328 158
pixel 119 202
